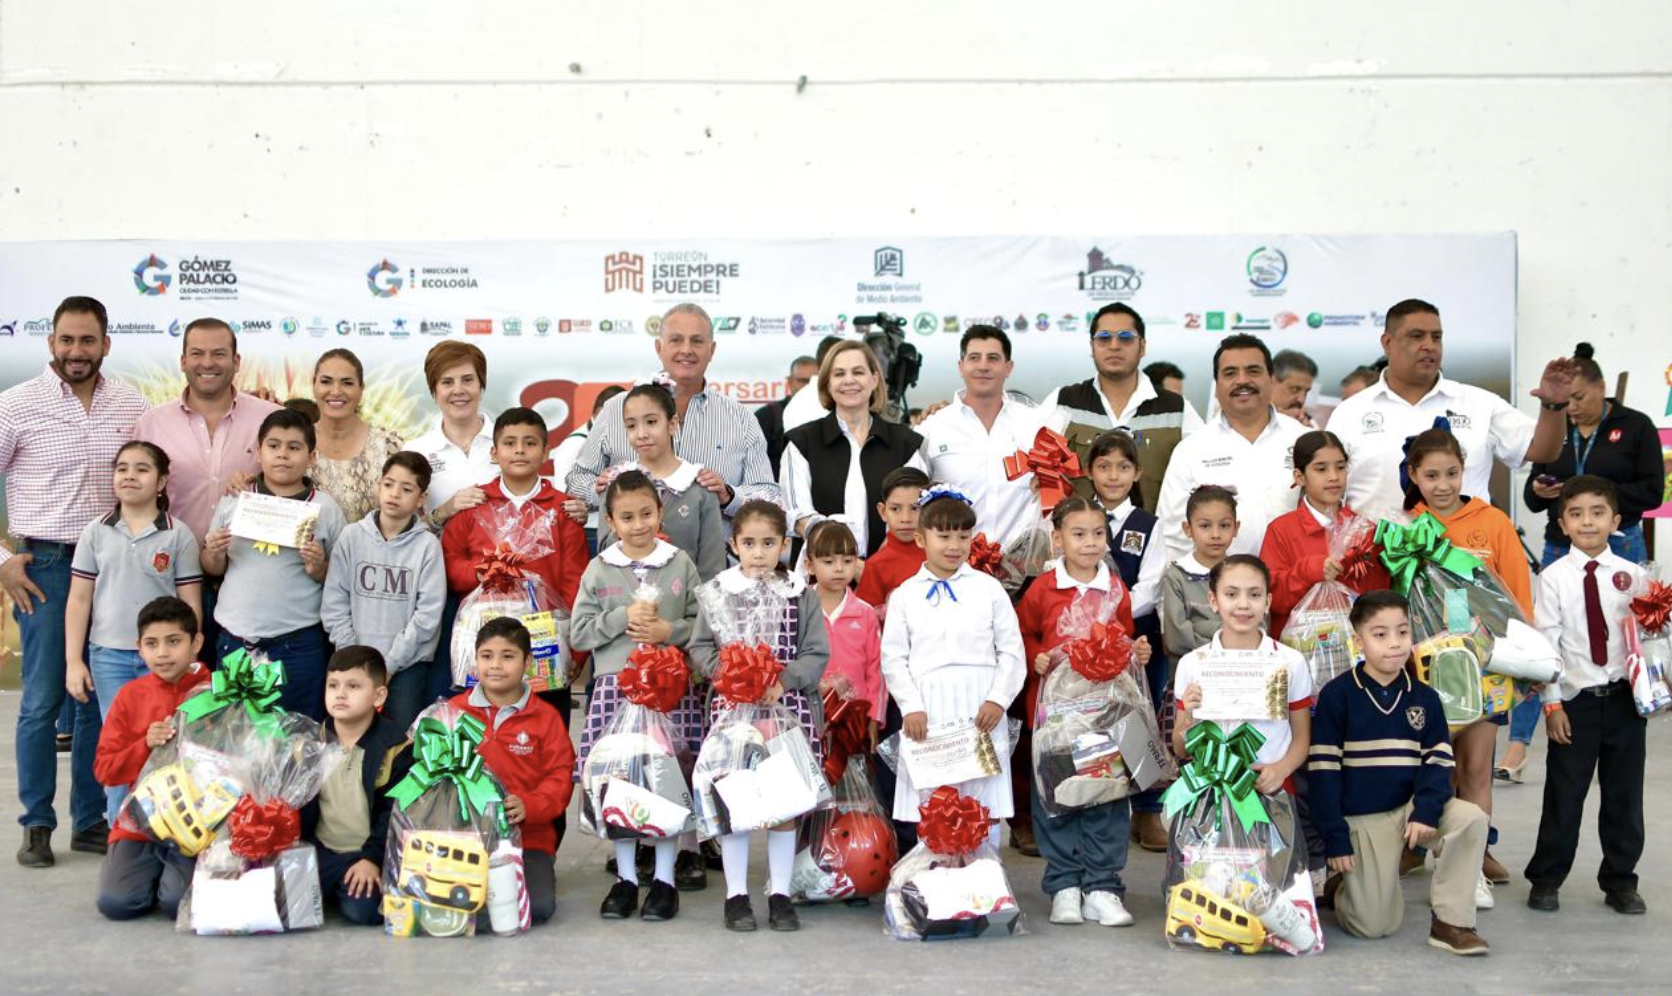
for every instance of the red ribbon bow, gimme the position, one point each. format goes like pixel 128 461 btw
pixel 952 823
pixel 261 830
pixel 1103 655
pixel 847 729
pixel 987 556
pixel 500 568
pixel 746 672
pixel 1654 608
pixel 655 677
pixel 1359 560
pixel 1051 462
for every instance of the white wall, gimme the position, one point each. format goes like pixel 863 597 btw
pixel 316 119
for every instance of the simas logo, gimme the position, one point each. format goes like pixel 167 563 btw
pixel 889 289
pixel 384 279
pixel 1105 280
pixel 1267 268
pixel 150 276
pixel 253 326
pixel 623 271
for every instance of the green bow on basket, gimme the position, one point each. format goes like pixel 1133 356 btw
pixel 1219 762
pixel 443 754
pixel 241 680
pixel 1406 548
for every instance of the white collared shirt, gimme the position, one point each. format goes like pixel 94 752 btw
pixel 958 450
pixel 1375 423
pixel 1277 732
pixel 1261 473
pixel 1191 420
pixel 479 698
pixel 1559 613
pixel 452 469
pixel 1319 517
pixel 1146 590
pixel 658 556
pixel 973 627
pixel 1101 582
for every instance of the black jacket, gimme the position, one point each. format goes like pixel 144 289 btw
pixel 771 419
pixel 1626 451
pixel 388 757
pixel 824 445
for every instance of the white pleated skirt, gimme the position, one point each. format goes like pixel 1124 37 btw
pixel 953 693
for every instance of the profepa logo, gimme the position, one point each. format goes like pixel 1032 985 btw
pixel 150 278
pixel 384 279
pixel 1105 280
pixel 1267 268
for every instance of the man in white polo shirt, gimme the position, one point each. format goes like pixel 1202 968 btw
pixel 1248 447
pixel 1375 423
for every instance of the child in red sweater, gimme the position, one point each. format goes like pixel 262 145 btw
pixel 140 874
pixel 899 557
pixel 527 748
pixel 1084 849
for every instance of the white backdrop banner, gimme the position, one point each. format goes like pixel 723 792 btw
pixel 560 320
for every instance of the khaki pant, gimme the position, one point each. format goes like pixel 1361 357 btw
pixel 1371 902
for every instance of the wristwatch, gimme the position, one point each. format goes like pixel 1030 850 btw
pixel 1560 406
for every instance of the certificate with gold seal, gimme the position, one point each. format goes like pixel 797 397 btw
pixel 1242 686
pixel 273 520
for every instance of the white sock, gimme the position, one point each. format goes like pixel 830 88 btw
pixel 780 860
pixel 627 860
pixel 995 833
pixel 734 856
pixel 666 851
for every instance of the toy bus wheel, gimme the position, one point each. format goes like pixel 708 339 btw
pixel 415 886
pixel 1233 949
pixel 460 896
pixel 438 921
pixel 1185 933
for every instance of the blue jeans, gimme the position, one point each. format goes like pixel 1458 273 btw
pixel 1084 849
pixel 42 635
pixel 302 651
pixel 112 669
pixel 333 866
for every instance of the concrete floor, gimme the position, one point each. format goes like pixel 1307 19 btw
pixel 59 945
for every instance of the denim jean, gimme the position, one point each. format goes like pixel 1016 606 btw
pixel 302 651
pixel 42 634
pixel 112 668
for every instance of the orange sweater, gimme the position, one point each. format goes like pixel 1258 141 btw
pixel 1489 534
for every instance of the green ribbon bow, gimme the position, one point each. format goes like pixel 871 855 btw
pixel 1406 548
pixel 241 680
pixel 1220 762
pixel 448 754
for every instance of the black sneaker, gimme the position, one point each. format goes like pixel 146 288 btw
pixel 36 851
pixel 662 903
pixel 621 902
pixel 1628 901
pixel 610 868
pixel 1543 897
pixel 93 840
pixel 780 913
pixel 710 852
pixel 740 915
pixel 688 872
pixel 64 742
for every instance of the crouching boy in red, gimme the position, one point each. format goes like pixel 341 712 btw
pixel 140 874
pixel 527 748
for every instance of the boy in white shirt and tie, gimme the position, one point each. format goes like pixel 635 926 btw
pixel 1589 715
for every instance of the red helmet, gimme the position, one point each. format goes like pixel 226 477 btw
pixel 861 846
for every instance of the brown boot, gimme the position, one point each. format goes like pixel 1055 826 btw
pixel 1494 870
pixel 1410 861
pixel 1457 940
pixel 1148 833
pixel 1021 838
pixel 1332 886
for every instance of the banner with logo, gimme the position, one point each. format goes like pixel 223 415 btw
pixel 559 320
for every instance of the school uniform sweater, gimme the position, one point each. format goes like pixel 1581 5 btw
pixel 122 751
pixel 530 753
pixel 887 569
pixel 1187 619
pixel 469 534
pixel 1374 748
pixel 1041 608
pixel 607 592
pixel 1489 534
pixel 1295 548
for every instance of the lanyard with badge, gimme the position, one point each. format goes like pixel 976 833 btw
pixel 1581 456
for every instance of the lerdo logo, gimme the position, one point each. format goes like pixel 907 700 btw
pixel 1267 268
pixel 384 279
pixel 150 278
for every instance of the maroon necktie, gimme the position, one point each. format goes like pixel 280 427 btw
pixel 1594 620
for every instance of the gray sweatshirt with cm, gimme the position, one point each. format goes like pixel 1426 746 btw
pixel 385 593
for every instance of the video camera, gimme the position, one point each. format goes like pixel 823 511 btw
pixel 900 360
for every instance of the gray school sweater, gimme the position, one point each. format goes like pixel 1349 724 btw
pixel 1187 619
pixel 385 593
pixel 807 649
pixel 691 520
pixel 599 622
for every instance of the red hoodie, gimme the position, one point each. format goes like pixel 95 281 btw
pixel 532 757
pixel 1295 549
pixel 470 533
pixel 122 751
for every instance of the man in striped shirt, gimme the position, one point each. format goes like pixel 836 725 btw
pixel 59 434
pixel 714 431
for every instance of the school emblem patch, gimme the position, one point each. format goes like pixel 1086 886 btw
pixel 1132 541
pixel 1417 716
pixel 160 561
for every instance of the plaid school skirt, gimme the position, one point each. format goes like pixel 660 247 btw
pixel 795 702
pixel 689 718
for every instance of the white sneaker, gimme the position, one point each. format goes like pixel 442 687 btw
pixel 1065 907
pixel 1483 893
pixel 1106 908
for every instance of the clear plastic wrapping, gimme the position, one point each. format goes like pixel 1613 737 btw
pixel 1318 626
pixel 521 535
pixel 635 782
pixel 952 885
pixel 846 847
pixel 756 770
pixel 1648 633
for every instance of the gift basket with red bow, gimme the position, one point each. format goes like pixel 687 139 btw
pixel 634 780
pixel 951 885
pixel 1649 644
pixel 1095 735
pixel 846 847
pixel 520 537
pixel 1318 625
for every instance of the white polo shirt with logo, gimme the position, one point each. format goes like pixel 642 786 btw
pixel 958 450
pixel 1375 423
pixel 1261 473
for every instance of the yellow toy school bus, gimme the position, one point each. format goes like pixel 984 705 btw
pixel 1196 916
pixel 449 869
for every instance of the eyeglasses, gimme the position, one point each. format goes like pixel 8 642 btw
pixel 1124 335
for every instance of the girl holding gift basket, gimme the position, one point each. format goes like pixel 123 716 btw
pixel 761 638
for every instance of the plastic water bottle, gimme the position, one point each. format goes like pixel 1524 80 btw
pixel 1283 919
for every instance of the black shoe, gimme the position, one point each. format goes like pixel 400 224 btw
pixel 780 913
pixel 662 903
pixel 857 901
pixel 710 852
pixel 1628 901
pixel 36 851
pixel 689 875
pixel 621 902
pixel 64 741
pixel 93 840
pixel 610 868
pixel 1543 897
pixel 739 914
pixel 645 861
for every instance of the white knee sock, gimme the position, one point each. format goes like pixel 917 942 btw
pixel 627 860
pixel 666 851
pixel 780 860
pixel 734 856
pixel 995 834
